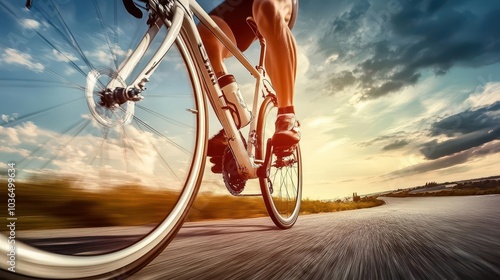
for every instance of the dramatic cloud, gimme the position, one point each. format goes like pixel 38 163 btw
pixel 468 129
pixel 391 46
pixel 468 121
pixel 341 80
pixel 448 161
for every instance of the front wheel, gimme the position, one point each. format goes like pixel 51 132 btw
pixel 282 189
pixel 99 190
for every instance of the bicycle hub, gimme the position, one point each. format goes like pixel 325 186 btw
pixel 119 96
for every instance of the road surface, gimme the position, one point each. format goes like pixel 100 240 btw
pixel 408 238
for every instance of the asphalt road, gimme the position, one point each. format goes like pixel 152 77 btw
pixel 408 238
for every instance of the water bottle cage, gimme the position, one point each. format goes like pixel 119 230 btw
pixel 232 108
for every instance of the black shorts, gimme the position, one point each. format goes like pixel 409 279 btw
pixel 235 13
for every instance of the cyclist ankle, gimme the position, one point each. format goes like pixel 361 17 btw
pixel 286 110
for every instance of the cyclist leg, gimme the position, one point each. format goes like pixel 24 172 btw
pixel 217 53
pixel 215 50
pixel 274 18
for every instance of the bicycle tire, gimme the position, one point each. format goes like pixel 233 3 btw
pixel 282 191
pixel 180 136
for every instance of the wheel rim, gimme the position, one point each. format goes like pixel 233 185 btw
pixel 67 145
pixel 283 189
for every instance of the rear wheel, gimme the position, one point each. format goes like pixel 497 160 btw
pixel 282 190
pixel 100 191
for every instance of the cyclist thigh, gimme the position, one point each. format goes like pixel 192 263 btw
pixel 235 13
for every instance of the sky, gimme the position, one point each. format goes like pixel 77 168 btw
pixel 389 94
pixel 395 94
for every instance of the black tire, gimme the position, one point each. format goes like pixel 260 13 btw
pixel 282 191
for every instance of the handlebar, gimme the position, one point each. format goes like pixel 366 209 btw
pixel 132 8
pixel 129 6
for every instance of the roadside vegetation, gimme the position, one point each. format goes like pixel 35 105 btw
pixel 46 204
pixel 315 206
pixel 483 187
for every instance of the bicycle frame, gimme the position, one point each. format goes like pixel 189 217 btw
pixel 183 22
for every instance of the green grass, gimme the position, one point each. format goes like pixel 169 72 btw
pixel 59 203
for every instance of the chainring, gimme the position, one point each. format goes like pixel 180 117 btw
pixel 235 184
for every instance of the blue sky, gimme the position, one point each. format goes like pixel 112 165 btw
pixel 47 127
pixel 390 94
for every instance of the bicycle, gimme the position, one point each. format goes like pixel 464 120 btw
pixel 123 113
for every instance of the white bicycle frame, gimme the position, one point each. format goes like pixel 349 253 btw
pixel 183 21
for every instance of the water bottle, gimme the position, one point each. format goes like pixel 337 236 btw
pixel 239 110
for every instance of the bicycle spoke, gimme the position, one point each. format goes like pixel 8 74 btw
pixel 70 39
pixel 32 83
pixel 138 121
pixel 167 96
pixel 283 204
pixel 124 148
pixel 170 120
pixel 99 16
pixel 37 113
pixel 69 60
pixel 46 143
pixel 70 149
pixel 170 141
pixel 72 138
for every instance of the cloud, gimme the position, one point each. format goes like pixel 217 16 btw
pixel 106 54
pixel 466 130
pixel 468 121
pixel 63 56
pixel 436 150
pixel 435 137
pixel 30 23
pixel 398 144
pixel 344 32
pixel 12 56
pixel 98 157
pixel 448 161
pixel 388 47
pixel 392 141
pixel 9 118
pixel 26 132
pixel 340 81
pixel 489 94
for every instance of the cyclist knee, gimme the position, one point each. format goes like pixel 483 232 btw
pixel 214 47
pixel 271 14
